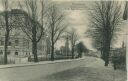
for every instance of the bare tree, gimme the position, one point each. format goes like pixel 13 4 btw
pixel 34 22
pixel 125 14
pixel 56 26
pixel 73 39
pixel 7 28
pixel 105 18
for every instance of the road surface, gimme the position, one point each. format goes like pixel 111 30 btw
pixel 91 71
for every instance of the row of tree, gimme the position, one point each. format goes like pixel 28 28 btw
pixel 35 19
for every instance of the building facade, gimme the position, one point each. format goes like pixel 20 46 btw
pixel 18 45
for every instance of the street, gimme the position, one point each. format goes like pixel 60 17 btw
pixel 93 71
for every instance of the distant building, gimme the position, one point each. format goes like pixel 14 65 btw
pixel 67 49
pixel 46 45
pixel 118 51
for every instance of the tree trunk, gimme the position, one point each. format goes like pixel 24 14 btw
pixel 34 51
pixel 52 44
pixel 34 43
pixel 81 55
pixel 6 47
pixel 72 52
pixel 106 52
pixel 107 56
pixel 52 52
pixel 6 39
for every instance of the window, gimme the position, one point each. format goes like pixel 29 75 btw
pixel 2 43
pixel 24 43
pixel 9 43
pixel 16 42
pixel 1 52
pixel 8 52
pixel 16 53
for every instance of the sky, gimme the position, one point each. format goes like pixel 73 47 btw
pixel 78 19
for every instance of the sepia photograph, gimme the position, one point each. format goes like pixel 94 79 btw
pixel 63 40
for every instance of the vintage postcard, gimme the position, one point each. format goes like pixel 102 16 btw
pixel 63 40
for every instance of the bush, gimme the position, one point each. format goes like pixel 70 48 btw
pixel 119 62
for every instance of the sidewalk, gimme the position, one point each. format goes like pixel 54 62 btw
pixel 118 75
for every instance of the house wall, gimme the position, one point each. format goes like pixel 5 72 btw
pixel 22 48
